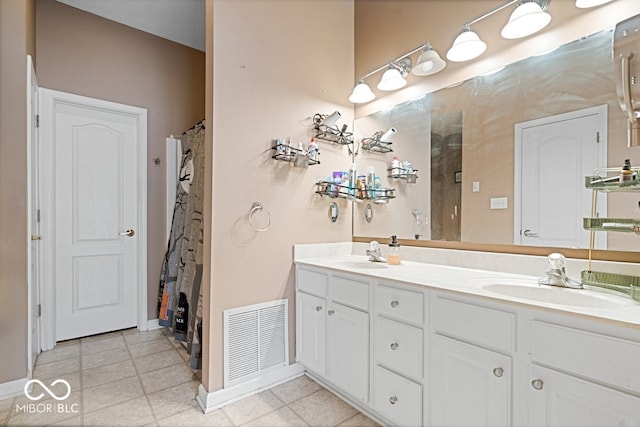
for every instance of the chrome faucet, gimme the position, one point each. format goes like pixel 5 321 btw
pixel 556 274
pixel 374 252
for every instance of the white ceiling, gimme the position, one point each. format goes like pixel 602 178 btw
pixel 181 21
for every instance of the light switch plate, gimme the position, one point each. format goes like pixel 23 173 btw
pixel 476 186
pixel 498 203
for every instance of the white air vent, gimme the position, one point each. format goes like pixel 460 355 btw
pixel 255 340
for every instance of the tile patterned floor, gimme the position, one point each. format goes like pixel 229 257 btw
pixel 131 378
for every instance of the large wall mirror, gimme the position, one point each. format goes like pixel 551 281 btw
pixel 501 158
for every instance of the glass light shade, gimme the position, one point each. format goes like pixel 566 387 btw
pixel 466 47
pixel 583 4
pixel 391 80
pixel 525 20
pixel 361 93
pixel 429 62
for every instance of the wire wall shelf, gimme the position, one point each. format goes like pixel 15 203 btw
pixel 377 195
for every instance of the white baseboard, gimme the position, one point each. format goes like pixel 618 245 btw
pixel 153 324
pixel 13 388
pixel 211 401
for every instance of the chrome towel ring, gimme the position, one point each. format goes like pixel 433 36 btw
pixel 255 208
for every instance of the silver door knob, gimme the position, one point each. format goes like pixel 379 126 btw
pixel 498 372
pixel 537 384
pixel 529 233
pixel 394 346
pixel 330 312
pixel 394 303
pixel 130 233
pixel 318 308
pixel 393 400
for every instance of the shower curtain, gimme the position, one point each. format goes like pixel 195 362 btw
pixel 180 294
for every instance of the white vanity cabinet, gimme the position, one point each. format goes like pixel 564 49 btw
pixel 332 332
pixel 412 355
pixel 470 364
pixel 398 353
pixel 581 378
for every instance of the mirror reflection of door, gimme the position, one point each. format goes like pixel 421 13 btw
pixel 446 166
pixel 553 155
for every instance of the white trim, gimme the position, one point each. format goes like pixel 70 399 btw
pixel 153 324
pixel 211 401
pixel 12 388
pixel 601 111
pixel 48 99
pixel 32 110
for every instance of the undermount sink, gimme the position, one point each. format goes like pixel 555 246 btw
pixel 552 295
pixel 362 264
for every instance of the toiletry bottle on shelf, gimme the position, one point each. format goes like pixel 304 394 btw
pixel 627 174
pixel 395 167
pixel 287 148
pixel 312 150
pixel 352 179
pixel 393 257
pixel 337 181
pixel 345 183
pixel 371 181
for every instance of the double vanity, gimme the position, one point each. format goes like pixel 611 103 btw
pixel 422 344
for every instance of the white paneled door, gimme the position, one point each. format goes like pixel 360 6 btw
pixel 94 152
pixel 553 156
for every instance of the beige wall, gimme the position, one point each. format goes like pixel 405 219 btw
pixel 16 41
pixel 275 64
pixel 87 55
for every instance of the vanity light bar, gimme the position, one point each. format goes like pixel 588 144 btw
pixel 524 21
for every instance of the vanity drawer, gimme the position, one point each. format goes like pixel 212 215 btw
pixel 399 347
pixel 600 357
pixel 397 398
pixel 350 291
pixel 400 304
pixel 484 326
pixel 312 282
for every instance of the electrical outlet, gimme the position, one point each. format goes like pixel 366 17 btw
pixel 498 203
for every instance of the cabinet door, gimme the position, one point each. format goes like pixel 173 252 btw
pixel 562 400
pixel 348 350
pixel 469 386
pixel 310 330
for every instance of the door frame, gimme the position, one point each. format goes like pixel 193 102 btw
pixel 601 111
pixel 48 99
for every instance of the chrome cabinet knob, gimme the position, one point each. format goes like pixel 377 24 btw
pixel 330 312
pixel 394 304
pixel 529 233
pixel 394 346
pixel 498 372
pixel 537 384
pixel 318 308
pixel 393 400
pixel 36 237
pixel 130 233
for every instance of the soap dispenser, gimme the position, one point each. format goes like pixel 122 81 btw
pixel 393 257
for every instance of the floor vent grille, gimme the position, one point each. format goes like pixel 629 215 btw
pixel 255 340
